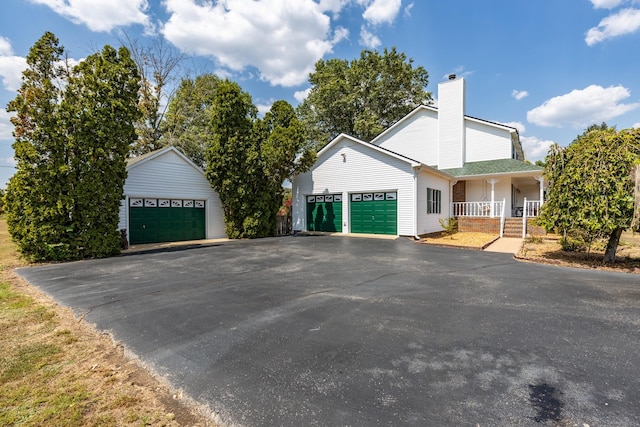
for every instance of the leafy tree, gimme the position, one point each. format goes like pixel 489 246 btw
pixel 590 186
pixel 248 159
pixel 186 123
pixel 363 97
pixel 73 130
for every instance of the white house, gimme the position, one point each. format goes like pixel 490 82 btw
pixel 168 198
pixel 434 163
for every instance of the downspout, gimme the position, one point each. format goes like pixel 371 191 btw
pixel 416 170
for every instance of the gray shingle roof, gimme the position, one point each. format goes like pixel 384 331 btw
pixel 491 167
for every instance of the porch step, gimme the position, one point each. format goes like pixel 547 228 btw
pixel 512 227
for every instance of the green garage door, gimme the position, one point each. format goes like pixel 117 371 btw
pixel 374 213
pixel 164 220
pixel 324 213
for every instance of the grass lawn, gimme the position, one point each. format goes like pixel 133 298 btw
pixel 57 371
pixel 547 250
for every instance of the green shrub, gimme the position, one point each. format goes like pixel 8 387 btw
pixel 449 225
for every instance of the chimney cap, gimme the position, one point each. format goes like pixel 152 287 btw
pixel 452 76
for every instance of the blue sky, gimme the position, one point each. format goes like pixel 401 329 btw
pixel 548 67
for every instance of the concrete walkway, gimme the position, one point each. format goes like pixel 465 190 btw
pixel 508 245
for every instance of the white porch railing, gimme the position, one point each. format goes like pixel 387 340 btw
pixel 478 209
pixel 531 209
pixel 502 216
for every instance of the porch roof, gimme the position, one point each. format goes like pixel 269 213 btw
pixel 494 167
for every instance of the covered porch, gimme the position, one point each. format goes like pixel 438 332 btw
pixel 488 195
pixel 503 204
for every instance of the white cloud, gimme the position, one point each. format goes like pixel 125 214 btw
pixel 518 125
pixel 459 71
pixel 264 108
pixel 101 15
pixel 535 148
pixel 606 4
pixel 407 10
pixel 282 39
pixel 5 46
pixel 626 21
pixel 10 161
pixel 381 11
pixel 519 94
pixel 333 6
pixel 580 108
pixel 368 39
pixel 11 66
pixel 301 95
pixel 636 125
pixel 5 125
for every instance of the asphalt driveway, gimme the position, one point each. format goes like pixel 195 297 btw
pixel 339 331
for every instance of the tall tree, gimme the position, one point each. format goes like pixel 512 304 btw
pixel 248 159
pixel 363 97
pixel 159 67
pixel 71 145
pixel 591 190
pixel 186 123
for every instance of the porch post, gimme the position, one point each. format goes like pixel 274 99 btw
pixel 540 179
pixel 493 196
pixel 452 183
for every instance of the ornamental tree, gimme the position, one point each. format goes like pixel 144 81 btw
pixel 73 130
pixel 591 190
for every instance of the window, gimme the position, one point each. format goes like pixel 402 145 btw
pixel 434 201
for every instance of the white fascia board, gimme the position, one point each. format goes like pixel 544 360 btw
pixel 489 175
pixel 493 124
pixel 435 172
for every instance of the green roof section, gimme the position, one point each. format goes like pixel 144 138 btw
pixel 493 167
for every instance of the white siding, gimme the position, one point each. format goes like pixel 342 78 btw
pixel 361 169
pixel 429 223
pixel 451 129
pixel 480 191
pixel 416 138
pixel 169 176
pixel 486 142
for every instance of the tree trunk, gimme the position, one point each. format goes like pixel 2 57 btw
pixel 612 245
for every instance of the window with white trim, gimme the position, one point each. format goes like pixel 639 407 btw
pixel 434 201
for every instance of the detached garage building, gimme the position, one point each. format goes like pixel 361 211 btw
pixel 168 199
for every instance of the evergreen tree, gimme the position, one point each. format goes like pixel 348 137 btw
pixel 248 159
pixel 73 130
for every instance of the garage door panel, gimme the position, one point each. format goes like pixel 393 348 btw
pixel 374 213
pixel 324 213
pixel 166 221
